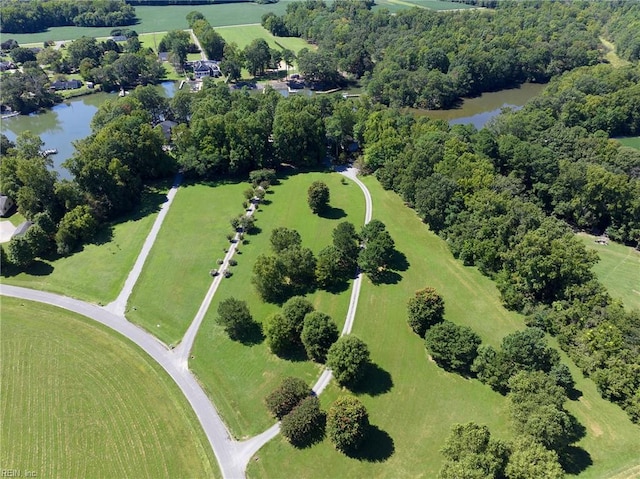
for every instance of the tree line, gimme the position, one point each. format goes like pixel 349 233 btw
pixel 37 15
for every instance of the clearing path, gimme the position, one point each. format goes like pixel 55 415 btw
pixel 119 305
pixel 232 456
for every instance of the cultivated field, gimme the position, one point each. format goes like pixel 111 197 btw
pixel 173 17
pixel 98 272
pixel 175 277
pixel 413 403
pixel 618 269
pixel 236 376
pixel 78 400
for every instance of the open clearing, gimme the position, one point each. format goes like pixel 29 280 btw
pixel 238 377
pixel 414 417
pixel 98 272
pixel 632 141
pixel 78 400
pixel 618 269
pixel 245 34
pixel 175 277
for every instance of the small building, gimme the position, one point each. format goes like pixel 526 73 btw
pixel 163 56
pixel 22 229
pixel 66 85
pixel 119 38
pixel 90 85
pixel 6 204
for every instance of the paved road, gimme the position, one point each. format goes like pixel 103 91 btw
pixel 254 444
pixel 119 305
pixel 233 456
pixel 221 442
pixel 184 348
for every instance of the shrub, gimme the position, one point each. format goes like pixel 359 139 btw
pixel 305 423
pixel 348 358
pixel 318 196
pixel 424 310
pixel 232 262
pixel 453 347
pixel 319 332
pixel 282 400
pixel 347 423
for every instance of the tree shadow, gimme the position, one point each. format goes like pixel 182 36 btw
pixel 103 236
pixel 386 276
pixel 574 394
pixel 339 285
pixel 265 202
pixel 377 447
pixel 332 213
pixel 252 335
pixel 375 381
pixel 575 459
pixel 256 230
pixel 295 354
pixel 399 261
pixel 37 268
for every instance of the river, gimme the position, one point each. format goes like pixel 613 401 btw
pixel 64 124
pixel 70 121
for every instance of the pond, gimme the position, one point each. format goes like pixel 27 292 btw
pixel 64 124
pixel 478 111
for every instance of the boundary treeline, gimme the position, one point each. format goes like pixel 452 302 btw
pixel 38 15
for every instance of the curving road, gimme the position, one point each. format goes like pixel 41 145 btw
pixel 233 456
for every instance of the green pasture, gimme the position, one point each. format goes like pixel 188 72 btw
pixel 618 269
pixel 173 17
pixel 238 377
pixel 97 273
pixel 175 277
pixel 412 402
pixel 78 400
pixel 245 34
pixel 632 142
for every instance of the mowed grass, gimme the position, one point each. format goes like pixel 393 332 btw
pixel 632 142
pixel 97 273
pixel 238 377
pixel 175 277
pixel 395 5
pixel 78 400
pixel 245 34
pixel 618 269
pixel 414 417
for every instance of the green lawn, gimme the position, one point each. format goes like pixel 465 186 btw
pixel 78 400
pixel 395 5
pixel 414 417
pixel 245 34
pixel 632 141
pixel 618 269
pixel 98 272
pixel 238 377
pixel 175 277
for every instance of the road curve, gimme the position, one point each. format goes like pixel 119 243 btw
pixel 221 442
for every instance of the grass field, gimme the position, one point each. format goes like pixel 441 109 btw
pixel 618 269
pixel 78 400
pixel 632 141
pixel 611 55
pixel 245 34
pixel 236 376
pixel 98 272
pixel 173 17
pixel 414 417
pixel 175 277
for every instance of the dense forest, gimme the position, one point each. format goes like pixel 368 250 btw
pixel 37 15
pixel 427 59
pixel 506 199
